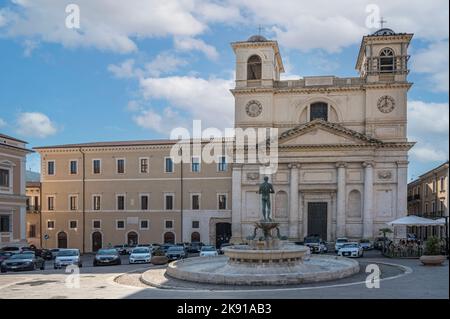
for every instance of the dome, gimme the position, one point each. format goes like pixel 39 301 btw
pixel 257 38
pixel 385 31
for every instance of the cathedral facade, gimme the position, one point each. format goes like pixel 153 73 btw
pixel 342 142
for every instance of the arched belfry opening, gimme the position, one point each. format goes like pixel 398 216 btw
pixel 254 68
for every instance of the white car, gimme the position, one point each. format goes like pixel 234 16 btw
pixel 339 243
pixel 66 257
pixel 351 250
pixel 208 251
pixel 140 255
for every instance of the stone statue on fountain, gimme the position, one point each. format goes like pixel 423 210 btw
pixel 265 189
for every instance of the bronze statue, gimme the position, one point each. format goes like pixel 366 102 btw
pixel 265 189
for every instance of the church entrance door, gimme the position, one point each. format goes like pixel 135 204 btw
pixel 317 220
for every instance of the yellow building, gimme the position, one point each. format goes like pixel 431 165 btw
pixel 12 191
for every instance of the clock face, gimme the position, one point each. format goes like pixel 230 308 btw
pixel 386 104
pixel 253 108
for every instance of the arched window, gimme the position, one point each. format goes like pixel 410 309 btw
pixel 387 60
pixel 318 110
pixel 195 237
pixel 254 68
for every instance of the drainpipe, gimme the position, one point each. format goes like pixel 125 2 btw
pixel 83 206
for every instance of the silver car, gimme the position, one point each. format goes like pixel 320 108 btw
pixel 66 257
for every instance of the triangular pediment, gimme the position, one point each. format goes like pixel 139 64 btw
pixel 319 132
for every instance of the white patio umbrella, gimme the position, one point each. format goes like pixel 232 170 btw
pixel 416 221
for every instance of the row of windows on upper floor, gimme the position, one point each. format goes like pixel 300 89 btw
pixel 169 201
pixel 434 188
pixel 144 166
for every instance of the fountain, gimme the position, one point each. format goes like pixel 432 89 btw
pixel 267 261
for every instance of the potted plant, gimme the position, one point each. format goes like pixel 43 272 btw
pixel 432 254
pixel 159 258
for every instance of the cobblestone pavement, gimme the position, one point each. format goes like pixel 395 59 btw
pixel 99 283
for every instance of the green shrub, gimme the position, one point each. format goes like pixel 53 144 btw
pixel 432 247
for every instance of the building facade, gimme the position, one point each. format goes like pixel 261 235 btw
pixel 343 148
pixel 428 197
pixel 12 191
pixel 33 224
pixel 342 162
pixel 101 194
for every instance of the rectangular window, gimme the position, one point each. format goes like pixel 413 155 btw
pixel 144 224
pixel 50 224
pixel 168 165
pixel 4 223
pixel 96 166
pixel 169 202
pixel 433 207
pixel 51 168
pixel 222 166
pixel 144 202
pixel 434 186
pixel 96 224
pixel 195 224
pixel 120 202
pixel 195 202
pixel 144 165
pixel 73 167
pixel 222 201
pixel 51 203
pixel 319 111
pixel 169 224
pixel 120 166
pixel 4 177
pixel 120 224
pixel 96 202
pixel 32 231
pixel 73 202
pixel 73 224
pixel 28 203
pixel 195 165
pixel 442 184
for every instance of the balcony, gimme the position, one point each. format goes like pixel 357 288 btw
pixel 33 209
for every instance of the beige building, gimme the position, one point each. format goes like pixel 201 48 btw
pixel 428 197
pixel 100 194
pixel 12 191
pixel 342 162
pixel 33 193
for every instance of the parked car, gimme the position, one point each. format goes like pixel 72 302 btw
pixel 195 247
pixel 208 251
pixel 45 254
pixel 315 244
pixel 25 261
pixel 54 252
pixel 11 249
pixel 165 247
pixel 176 252
pixel 4 255
pixel 140 255
pixel 66 257
pixel 121 249
pixel 366 244
pixel 107 257
pixel 339 243
pixel 221 252
pixel 351 250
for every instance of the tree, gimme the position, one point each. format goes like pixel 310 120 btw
pixel 385 231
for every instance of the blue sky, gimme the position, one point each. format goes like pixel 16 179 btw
pixel 134 70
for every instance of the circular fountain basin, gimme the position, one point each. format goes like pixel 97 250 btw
pixel 246 266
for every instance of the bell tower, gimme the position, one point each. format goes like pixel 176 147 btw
pixel 383 56
pixel 258 62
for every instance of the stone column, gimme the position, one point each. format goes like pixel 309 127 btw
pixel 341 194
pixel 236 234
pixel 368 200
pixel 293 201
pixel 402 194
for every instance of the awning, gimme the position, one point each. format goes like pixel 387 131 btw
pixel 416 221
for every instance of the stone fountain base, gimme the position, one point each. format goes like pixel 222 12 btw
pixel 243 265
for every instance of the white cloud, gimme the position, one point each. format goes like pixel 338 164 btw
pixel 208 100
pixel 125 70
pixel 428 125
pixel 34 124
pixel 29 47
pixel 434 63
pixel 191 44
pixel 159 122
pixel 2 122
pixel 164 63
